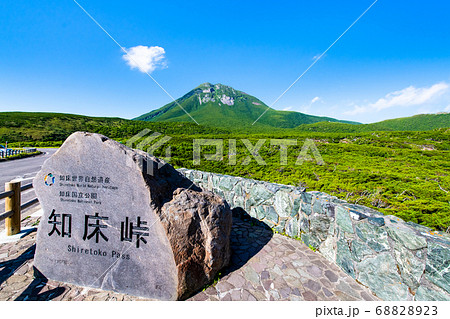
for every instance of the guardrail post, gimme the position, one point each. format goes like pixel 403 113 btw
pixel 12 223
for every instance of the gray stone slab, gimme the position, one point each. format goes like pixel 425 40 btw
pixel 108 222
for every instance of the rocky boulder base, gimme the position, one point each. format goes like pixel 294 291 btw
pixel 118 219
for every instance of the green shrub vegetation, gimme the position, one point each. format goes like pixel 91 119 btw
pixel 402 173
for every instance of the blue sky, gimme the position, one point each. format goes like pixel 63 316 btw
pixel 394 62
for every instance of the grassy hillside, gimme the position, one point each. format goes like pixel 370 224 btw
pixel 406 174
pixel 51 127
pixel 421 122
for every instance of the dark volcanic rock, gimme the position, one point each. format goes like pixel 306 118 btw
pixel 198 228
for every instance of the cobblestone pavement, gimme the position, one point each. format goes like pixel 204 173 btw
pixel 264 266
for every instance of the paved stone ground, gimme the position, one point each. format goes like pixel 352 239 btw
pixel 265 266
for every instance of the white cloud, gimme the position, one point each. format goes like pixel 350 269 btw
pixel 447 109
pixel 304 109
pixel 426 110
pixel 287 108
pixel 410 96
pixel 314 100
pixel 307 108
pixel 145 58
pixel 407 97
pixel 357 110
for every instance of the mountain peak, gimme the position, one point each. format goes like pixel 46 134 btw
pixel 203 85
pixel 216 93
pixel 217 86
pixel 223 106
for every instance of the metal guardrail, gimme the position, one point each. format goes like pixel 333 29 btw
pixel 13 207
pixel 6 194
pixel 6 214
pixel 10 152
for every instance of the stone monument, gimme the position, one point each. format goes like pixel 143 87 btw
pixel 118 219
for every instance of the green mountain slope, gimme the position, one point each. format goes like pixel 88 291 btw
pixel 421 122
pixel 222 106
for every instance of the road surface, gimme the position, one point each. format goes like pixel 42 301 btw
pixel 25 169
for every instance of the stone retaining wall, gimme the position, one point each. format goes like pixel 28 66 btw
pixel 397 260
